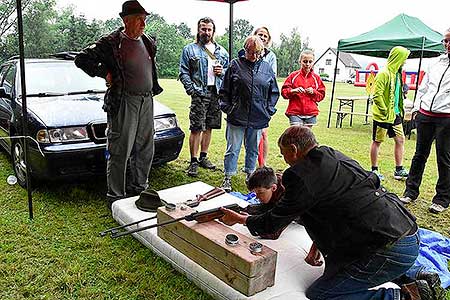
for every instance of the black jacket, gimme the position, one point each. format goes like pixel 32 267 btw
pixel 249 93
pixel 103 57
pixel 343 208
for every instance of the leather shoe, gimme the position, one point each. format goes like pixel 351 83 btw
pixel 434 282
pixel 416 290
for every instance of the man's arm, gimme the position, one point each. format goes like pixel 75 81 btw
pixel 92 59
pixel 381 84
pixel 274 94
pixel 185 73
pixel 225 91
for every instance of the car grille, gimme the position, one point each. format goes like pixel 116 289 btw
pixel 97 132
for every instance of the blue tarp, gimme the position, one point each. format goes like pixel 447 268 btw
pixel 434 254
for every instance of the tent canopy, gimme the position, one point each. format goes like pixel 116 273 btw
pixel 403 30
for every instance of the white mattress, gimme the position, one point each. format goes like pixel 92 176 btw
pixel 292 276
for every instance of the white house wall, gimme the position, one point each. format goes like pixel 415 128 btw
pixel 344 72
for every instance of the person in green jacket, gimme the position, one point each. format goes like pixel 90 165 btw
pixel 388 111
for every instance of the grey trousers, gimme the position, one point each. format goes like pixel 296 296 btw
pixel 130 139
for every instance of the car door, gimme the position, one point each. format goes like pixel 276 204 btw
pixel 7 78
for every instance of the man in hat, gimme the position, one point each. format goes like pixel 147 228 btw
pixel 202 68
pixel 126 60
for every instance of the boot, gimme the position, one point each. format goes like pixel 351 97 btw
pixel 434 282
pixel 416 290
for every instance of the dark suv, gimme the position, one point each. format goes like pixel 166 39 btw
pixel 66 123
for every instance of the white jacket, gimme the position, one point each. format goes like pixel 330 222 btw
pixel 434 92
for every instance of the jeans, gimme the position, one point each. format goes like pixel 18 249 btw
pixel 429 129
pixel 235 135
pixel 354 281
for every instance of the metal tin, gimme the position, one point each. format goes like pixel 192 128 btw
pixel 255 247
pixel 231 239
pixel 170 206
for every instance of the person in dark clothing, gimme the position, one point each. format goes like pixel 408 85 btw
pixel 126 60
pixel 248 96
pixel 364 233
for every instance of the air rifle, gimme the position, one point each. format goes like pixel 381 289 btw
pixel 200 217
pixel 215 192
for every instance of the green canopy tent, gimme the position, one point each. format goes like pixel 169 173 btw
pixel 403 30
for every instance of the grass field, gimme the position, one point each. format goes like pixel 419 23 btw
pixel 59 255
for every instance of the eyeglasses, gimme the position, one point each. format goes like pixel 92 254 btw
pixel 253 53
pixel 446 41
pixel 307 61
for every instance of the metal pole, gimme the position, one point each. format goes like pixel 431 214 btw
pixel 230 34
pixel 24 104
pixel 332 90
pixel 418 71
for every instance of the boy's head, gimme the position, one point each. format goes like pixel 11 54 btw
pixel 263 182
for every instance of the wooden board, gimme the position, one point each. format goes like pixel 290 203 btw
pixel 205 244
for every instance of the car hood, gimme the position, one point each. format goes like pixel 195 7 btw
pixel 74 110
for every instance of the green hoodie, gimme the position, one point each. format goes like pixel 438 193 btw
pixel 384 98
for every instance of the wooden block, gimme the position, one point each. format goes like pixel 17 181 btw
pixel 205 244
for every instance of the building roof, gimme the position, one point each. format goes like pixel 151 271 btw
pixel 346 58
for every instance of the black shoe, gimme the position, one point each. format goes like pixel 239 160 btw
pixel 434 282
pixel 206 163
pixel 416 290
pixel 193 169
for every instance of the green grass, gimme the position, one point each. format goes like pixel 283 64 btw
pixel 59 255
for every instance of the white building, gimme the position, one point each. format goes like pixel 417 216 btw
pixel 345 69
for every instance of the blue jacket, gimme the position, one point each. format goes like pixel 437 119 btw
pixel 249 93
pixel 194 68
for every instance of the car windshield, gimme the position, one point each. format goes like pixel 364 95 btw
pixel 59 78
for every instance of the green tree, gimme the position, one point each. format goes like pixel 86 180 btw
pixel 288 52
pixel 184 31
pixel 241 30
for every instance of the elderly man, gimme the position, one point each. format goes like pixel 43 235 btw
pixel 126 59
pixel 365 234
pixel 202 67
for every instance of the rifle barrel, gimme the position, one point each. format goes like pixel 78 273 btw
pixel 116 235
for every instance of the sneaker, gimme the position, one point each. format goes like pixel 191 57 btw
pixel 193 169
pixel 380 176
pixel 206 163
pixel 407 199
pixel 226 184
pixel 434 282
pixel 401 174
pixel 436 208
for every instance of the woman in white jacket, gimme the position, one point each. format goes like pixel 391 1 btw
pixel 432 117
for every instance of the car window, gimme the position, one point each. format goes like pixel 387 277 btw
pixel 59 77
pixel 8 80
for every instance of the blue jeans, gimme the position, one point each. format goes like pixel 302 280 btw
pixel 353 281
pixel 235 135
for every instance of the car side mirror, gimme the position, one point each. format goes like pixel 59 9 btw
pixel 3 93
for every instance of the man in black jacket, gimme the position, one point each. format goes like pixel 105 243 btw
pixel 126 59
pixel 364 233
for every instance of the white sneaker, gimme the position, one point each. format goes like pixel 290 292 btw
pixel 436 208
pixel 407 199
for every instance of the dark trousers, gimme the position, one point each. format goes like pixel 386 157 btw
pixel 130 141
pixel 431 129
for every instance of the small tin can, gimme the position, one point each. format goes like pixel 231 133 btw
pixel 255 247
pixel 231 239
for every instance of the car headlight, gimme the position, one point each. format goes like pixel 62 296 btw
pixel 62 135
pixel 165 123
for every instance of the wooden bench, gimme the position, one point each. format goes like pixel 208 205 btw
pixel 341 114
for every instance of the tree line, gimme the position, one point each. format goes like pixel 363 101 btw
pixel 48 31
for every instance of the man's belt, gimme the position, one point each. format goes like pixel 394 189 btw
pixel 141 94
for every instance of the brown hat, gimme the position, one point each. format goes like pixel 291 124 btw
pixel 132 7
pixel 149 200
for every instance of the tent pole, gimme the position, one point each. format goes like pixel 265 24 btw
pixel 418 71
pixel 24 104
pixel 332 90
pixel 230 34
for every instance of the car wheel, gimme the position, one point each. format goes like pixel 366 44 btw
pixel 18 161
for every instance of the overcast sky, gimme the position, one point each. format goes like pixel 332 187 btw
pixel 323 21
